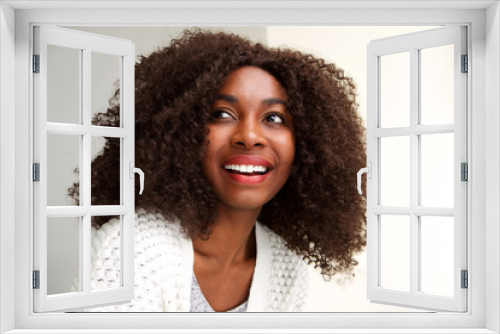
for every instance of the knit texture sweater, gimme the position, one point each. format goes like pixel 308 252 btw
pixel 164 260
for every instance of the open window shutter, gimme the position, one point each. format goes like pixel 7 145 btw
pixel 66 66
pixel 417 147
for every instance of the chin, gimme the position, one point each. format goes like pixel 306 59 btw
pixel 245 203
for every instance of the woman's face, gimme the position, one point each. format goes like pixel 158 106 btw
pixel 251 140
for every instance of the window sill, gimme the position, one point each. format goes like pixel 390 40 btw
pixel 256 331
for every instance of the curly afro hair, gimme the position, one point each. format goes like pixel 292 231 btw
pixel 318 212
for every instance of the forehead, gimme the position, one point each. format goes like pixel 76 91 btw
pixel 252 81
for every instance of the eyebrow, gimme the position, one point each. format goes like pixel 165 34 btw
pixel 232 99
pixel 227 98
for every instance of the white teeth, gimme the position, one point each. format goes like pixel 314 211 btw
pixel 246 168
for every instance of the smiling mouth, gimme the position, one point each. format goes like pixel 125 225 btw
pixel 247 170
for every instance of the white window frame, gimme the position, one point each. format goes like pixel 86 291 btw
pixel 86 43
pixel 483 21
pixel 412 44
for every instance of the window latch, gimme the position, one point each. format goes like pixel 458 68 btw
pixel 368 171
pixel 141 175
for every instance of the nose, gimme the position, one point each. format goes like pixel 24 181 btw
pixel 249 135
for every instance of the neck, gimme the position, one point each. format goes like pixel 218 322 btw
pixel 232 239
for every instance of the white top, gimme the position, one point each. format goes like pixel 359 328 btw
pixel 164 260
pixel 200 304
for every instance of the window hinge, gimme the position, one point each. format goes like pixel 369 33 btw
pixel 36 172
pixel 464 172
pixel 465 279
pixel 36 279
pixel 36 63
pixel 465 64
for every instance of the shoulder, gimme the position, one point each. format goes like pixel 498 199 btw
pixel 153 229
pixel 160 250
pixel 279 250
pixel 289 276
pixel 154 236
pixel 149 230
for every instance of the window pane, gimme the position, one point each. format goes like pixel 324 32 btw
pixel 395 171
pixel 106 76
pixel 437 170
pixel 63 255
pixel 436 237
pixel 106 161
pixel 63 165
pixel 106 252
pixel 395 252
pixel 63 85
pixel 437 85
pixel 395 90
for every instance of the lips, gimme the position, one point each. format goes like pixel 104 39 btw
pixel 247 169
pixel 248 160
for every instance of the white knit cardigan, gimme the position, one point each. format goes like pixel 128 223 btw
pixel 164 268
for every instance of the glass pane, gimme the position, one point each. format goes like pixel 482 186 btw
pixel 63 164
pixel 436 85
pixel 436 249
pixel 395 252
pixel 395 90
pixel 437 171
pixel 63 255
pixel 63 84
pixel 106 252
pixel 106 78
pixel 395 171
pixel 105 170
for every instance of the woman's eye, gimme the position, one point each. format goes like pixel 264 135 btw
pixel 221 114
pixel 275 118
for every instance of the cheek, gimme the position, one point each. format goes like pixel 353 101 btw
pixel 288 149
pixel 285 145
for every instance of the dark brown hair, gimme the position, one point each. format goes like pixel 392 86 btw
pixel 318 212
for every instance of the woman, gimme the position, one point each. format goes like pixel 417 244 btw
pixel 250 156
